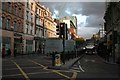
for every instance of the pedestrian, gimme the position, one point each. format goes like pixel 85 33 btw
pixel 99 49
pixel 3 52
pixel 105 52
pixel 15 52
pixel 63 57
pixel 8 52
pixel 109 51
pixel 53 58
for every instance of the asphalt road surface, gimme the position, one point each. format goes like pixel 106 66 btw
pixel 93 67
pixel 35 68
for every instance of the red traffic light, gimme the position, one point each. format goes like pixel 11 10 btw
pixel 61 25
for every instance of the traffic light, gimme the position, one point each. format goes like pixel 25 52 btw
pixel 57 30
pixel 62 28
pixel 66 31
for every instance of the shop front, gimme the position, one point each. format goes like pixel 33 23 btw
pixel 6 43
pixel 39 44
pixel 29 46
pixel 18 46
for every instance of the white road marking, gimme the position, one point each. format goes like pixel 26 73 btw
pixel 80 67
pixel 76 68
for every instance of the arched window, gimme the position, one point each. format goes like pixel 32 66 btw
pixel 19 12
pixel 15 10
pixel 8 6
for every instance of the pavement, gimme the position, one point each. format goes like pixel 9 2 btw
pixel 111 61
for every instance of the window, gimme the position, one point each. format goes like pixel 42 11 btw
pixel 19 14
pixel 31 17
pixel 14 24
pixel 3 5
pixel 26 28
pixel 8 24
pixel 31 29
pixel 36 9
pixel 8 6
pixel 19 27
pixel 27 15
pixel 0 22
pixel 37 20
pixel 14 10
pixel 39 11
pixel 31 6
pixel 3 20
pixel 27 3
pixel 41 32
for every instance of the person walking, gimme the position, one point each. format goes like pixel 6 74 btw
pixel 15 52
pixel 3 52
pixel 8 52
pixel 109 50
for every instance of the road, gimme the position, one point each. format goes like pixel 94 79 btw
pixel 35 67
pixel 94 67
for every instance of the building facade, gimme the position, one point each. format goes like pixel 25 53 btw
pixel 44 26
pixel 12 19
pixel 112 28
pixel 29 26
pixel 71 25
pixel 24 26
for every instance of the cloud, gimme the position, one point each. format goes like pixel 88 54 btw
pixel 81 19
pixel 94 21
pixel 89 14
pixel 86 32
pixel 68 12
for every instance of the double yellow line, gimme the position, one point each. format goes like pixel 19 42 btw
pixel 23 73
pixel 45 68
pixel 55 71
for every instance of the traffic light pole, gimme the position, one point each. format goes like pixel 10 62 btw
pixel 64 38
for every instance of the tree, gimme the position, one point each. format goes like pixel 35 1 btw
pixel 79 41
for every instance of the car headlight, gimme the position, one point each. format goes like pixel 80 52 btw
pixel 84 48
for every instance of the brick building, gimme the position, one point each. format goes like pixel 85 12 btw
pixel 12 19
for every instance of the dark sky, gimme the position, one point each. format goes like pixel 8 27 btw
pixel 89 14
